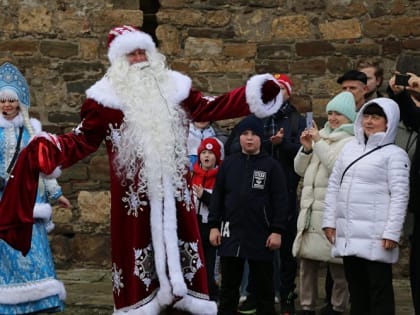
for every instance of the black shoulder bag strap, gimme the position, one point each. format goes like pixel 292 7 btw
pixel 359 158
pixel 12 162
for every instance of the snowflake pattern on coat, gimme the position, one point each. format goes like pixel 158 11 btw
pixel 190 259
pixel 117 279
pixel 144 266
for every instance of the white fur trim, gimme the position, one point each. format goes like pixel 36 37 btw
pixel 42 211
pixel 55 174
pixel 164 295
pixel 182 86
pixel 104 93
pixel 36 125
pixel 129 41
pixel 196 306
pixel 33 291
pixel 253 96
pixel 151 308
pixel 179 288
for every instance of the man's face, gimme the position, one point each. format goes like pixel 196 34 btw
pixel 136 56
pixel 250 142
pixel 372 81
pixel 357 88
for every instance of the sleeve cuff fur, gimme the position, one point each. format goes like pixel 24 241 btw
pixel 254 96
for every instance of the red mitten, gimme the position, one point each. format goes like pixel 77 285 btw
pixel 269 91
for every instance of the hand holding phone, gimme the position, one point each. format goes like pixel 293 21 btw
pixel 402 79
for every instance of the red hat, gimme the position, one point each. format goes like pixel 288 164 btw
pixel 124 39
pixel 211 144
pixel 285 81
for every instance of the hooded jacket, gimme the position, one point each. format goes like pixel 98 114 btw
pixel 249 202
pixel 369 204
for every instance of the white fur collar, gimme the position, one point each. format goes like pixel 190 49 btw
pixel 18 122
pixel 104 93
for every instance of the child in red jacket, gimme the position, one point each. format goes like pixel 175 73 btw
pixel 204 176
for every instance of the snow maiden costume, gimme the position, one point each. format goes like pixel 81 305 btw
pixel 27 283
pixel 140 111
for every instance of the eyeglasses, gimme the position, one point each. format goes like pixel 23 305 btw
pixel 4 101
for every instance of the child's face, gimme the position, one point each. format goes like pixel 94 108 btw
pixel 250 142
pixel 207 159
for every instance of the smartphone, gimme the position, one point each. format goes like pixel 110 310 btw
pixel 401 79
pixel 309 118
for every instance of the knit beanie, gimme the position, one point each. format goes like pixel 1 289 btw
pixel 213 145
pixel 252 123
pixel 344 104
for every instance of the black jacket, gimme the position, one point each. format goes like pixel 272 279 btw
pixel 410 115
pixel 249 202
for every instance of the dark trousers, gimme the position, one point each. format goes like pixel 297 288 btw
pixel 415 266
pixel 210 253
pixel 370 286
pixel 232 269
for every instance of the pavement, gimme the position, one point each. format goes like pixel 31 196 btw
pixel 89 292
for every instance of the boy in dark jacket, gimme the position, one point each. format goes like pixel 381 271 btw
pixel 248 213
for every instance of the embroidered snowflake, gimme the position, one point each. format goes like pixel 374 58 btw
pixel 117 279
pixel 144 266
pixel 78 130
pixel 133 202
pixel 114 136
pixel 190 259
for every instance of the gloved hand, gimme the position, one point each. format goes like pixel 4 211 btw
pixel 269 91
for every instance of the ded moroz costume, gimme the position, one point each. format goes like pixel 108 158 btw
pixel 141 111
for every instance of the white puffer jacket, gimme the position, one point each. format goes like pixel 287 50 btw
pixel 315 168
pixel 370 203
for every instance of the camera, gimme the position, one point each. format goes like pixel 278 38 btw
pixel 401 79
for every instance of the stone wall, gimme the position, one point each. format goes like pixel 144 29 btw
pixel 60 46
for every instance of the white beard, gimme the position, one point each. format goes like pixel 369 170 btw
pixel 154 131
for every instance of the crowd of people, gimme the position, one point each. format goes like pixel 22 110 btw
pixel 195 214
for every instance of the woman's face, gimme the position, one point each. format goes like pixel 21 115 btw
pixel 9 107
pixel 373 123
pixel 335 119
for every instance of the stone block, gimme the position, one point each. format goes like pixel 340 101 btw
pixel 274 51
pixel 20 47
pixel 103 20
pixel 218 18
pixel 203 47
pixel 35 19
pixel 308 66
pixel 99 168
pixel 338 65
pixel 341 29
pixel 314 48
pixel 253 25
pixel 169 42
pixel 291 27
pixel 239 50
pixel 94 207
pixel 181 17
pixel 59 49
pixel 77 171
pixel 91 249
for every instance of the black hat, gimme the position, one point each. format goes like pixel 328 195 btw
pixel 252 123
pixel 353 75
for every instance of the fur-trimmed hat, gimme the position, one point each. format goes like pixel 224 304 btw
pixel 12 79
pixel 252 123
pixel 213 145
pixel 285 81
pixel 124 39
